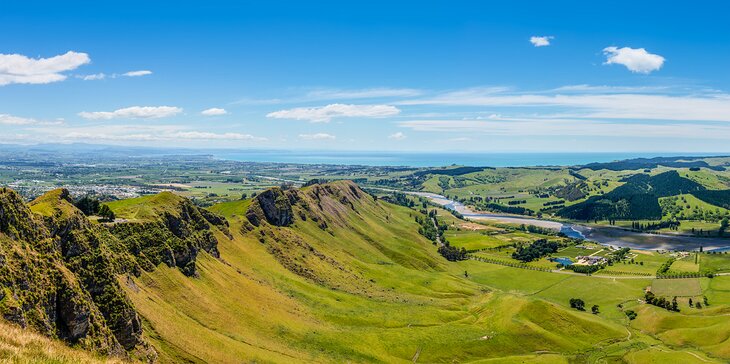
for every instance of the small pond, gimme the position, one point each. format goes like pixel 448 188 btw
pixel 564 261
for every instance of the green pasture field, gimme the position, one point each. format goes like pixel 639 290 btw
pixel 714 263
pixel 684 287
pixel 686 264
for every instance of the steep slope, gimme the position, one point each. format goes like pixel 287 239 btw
pixel 326 273
pixel 58 276
pixel 166 228
pixel 19 345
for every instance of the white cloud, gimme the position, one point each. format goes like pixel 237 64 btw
pixel 637 60
pixel 632 106
pixel 17 68
pixel 94 77
pixel 134 112
pixel 137 73
pixel 214 111
pixel 6 119
pixel 213 136
pixel 324 114
pixel 138 134
pixel 397 136
pixel 335 94
pixel 570 127
pixel 317 136
pixel 101 76
pixel 542 41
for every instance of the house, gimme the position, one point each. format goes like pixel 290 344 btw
pixel 590 260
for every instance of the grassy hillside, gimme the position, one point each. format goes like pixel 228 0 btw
pixel 24 346
pixel 328 273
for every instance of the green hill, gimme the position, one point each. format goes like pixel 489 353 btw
pixel 326 273
pixel 636 199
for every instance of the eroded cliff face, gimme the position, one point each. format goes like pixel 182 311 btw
pixel 60 271
pixel 47 285
pixel 174 236
pixel 322 203
pixel 273 206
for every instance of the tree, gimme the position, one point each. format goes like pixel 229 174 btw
pixel 698 305
pixel 690 303
pixel 88 205
pixel 675 306
pixel 594 309
pixel 243 196
pixel 577 304
pixel 106 213
pixel 704 299
pixel 631 314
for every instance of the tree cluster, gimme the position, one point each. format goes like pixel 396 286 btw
pixel 536 250
pixel 452 253
pixel 88 205
pixel 577 304
pixel 662 302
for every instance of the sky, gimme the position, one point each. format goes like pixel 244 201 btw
pixel 517 76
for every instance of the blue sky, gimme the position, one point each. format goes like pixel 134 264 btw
pixel 391 76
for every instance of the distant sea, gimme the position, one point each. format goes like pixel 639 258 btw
pixel 415 159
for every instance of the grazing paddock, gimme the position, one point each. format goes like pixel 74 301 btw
pixel 714 263
pixel 676 287
pixel 686 264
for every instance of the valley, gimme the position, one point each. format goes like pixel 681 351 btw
pixel 329 270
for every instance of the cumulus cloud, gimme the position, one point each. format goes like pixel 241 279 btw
pixel 541 41
pixel 214 111
pixel 134 112
pixel 17 68
pixel 637 60
pixel 6 119
pixel 397 136
pixel 137 73
pixel 317 136
pixel 325 114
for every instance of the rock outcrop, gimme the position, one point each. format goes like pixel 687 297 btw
pixel 174 236
pixel 44 283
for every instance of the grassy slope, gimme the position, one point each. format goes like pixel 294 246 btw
pixel 412 301
pixel 145 207
pixel 23 346
pixel 389 297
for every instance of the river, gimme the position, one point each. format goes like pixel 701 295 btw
pixel 611 236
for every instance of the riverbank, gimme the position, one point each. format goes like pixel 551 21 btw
pixel 609 236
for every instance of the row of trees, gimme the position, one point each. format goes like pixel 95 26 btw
pixel 585 269
pixel 653 226
pixel 651 299
pixel 509 264
pixel 664 268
